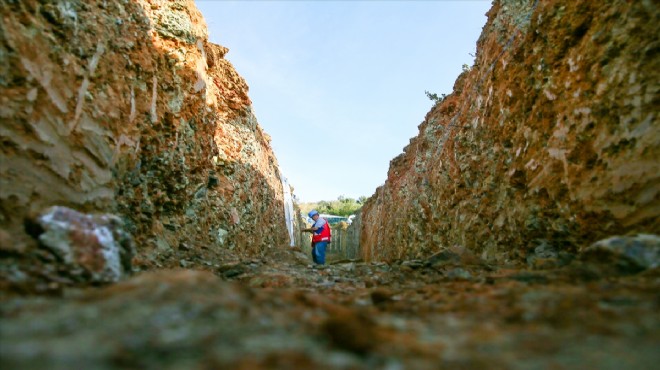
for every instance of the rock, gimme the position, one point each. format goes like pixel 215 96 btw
pixel 233 272
pixel 459 274
pixel 500 181
pixel 127 119
pixel 222 234
pixel 442 258
pixel 93 246
pixel 163 247
pixel 412 264
pixel 629 254
pixel 543 255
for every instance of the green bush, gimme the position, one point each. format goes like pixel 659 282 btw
pixel 343 206
pixel 434 97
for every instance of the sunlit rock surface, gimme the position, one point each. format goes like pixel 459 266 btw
pixel 550 140
pixel 124 107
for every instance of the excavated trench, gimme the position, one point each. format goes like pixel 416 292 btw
pixel 449 311
pixel 125 111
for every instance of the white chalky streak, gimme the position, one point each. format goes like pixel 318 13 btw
pixel 154 96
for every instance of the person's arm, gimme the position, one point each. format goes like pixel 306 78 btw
pixel 311 229
pixel 318 224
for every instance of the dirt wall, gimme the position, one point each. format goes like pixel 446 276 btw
pixel 124 107
pixel 551 140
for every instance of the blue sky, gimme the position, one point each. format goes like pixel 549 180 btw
pixel 339 85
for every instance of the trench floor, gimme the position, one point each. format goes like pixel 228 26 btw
pixel 281 312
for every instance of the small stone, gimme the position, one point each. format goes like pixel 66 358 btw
pixel 459 274
pixel 32 95
pixel 443 258
pixel 413 264
pixel 233 272
pixel 222 234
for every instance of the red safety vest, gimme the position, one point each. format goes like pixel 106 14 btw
pixel 324 235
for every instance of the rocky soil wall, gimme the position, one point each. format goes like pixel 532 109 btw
pixel 124 107
pixel 548 143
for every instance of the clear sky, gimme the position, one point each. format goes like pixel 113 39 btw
pixel 339 85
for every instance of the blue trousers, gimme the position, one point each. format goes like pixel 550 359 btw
pixel 318 252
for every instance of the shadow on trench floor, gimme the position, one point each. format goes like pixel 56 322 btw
pixel 282 312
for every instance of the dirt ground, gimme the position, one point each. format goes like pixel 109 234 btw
pixel 448 311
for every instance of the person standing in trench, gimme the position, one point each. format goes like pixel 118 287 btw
pixel 320 237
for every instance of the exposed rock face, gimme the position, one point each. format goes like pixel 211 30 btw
pixel 550 141
pixel 124 107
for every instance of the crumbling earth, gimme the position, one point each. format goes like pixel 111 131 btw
pixel 448 311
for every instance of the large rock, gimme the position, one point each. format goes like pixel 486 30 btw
pixel 550 141
pixel 93 247
pixel 626 253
